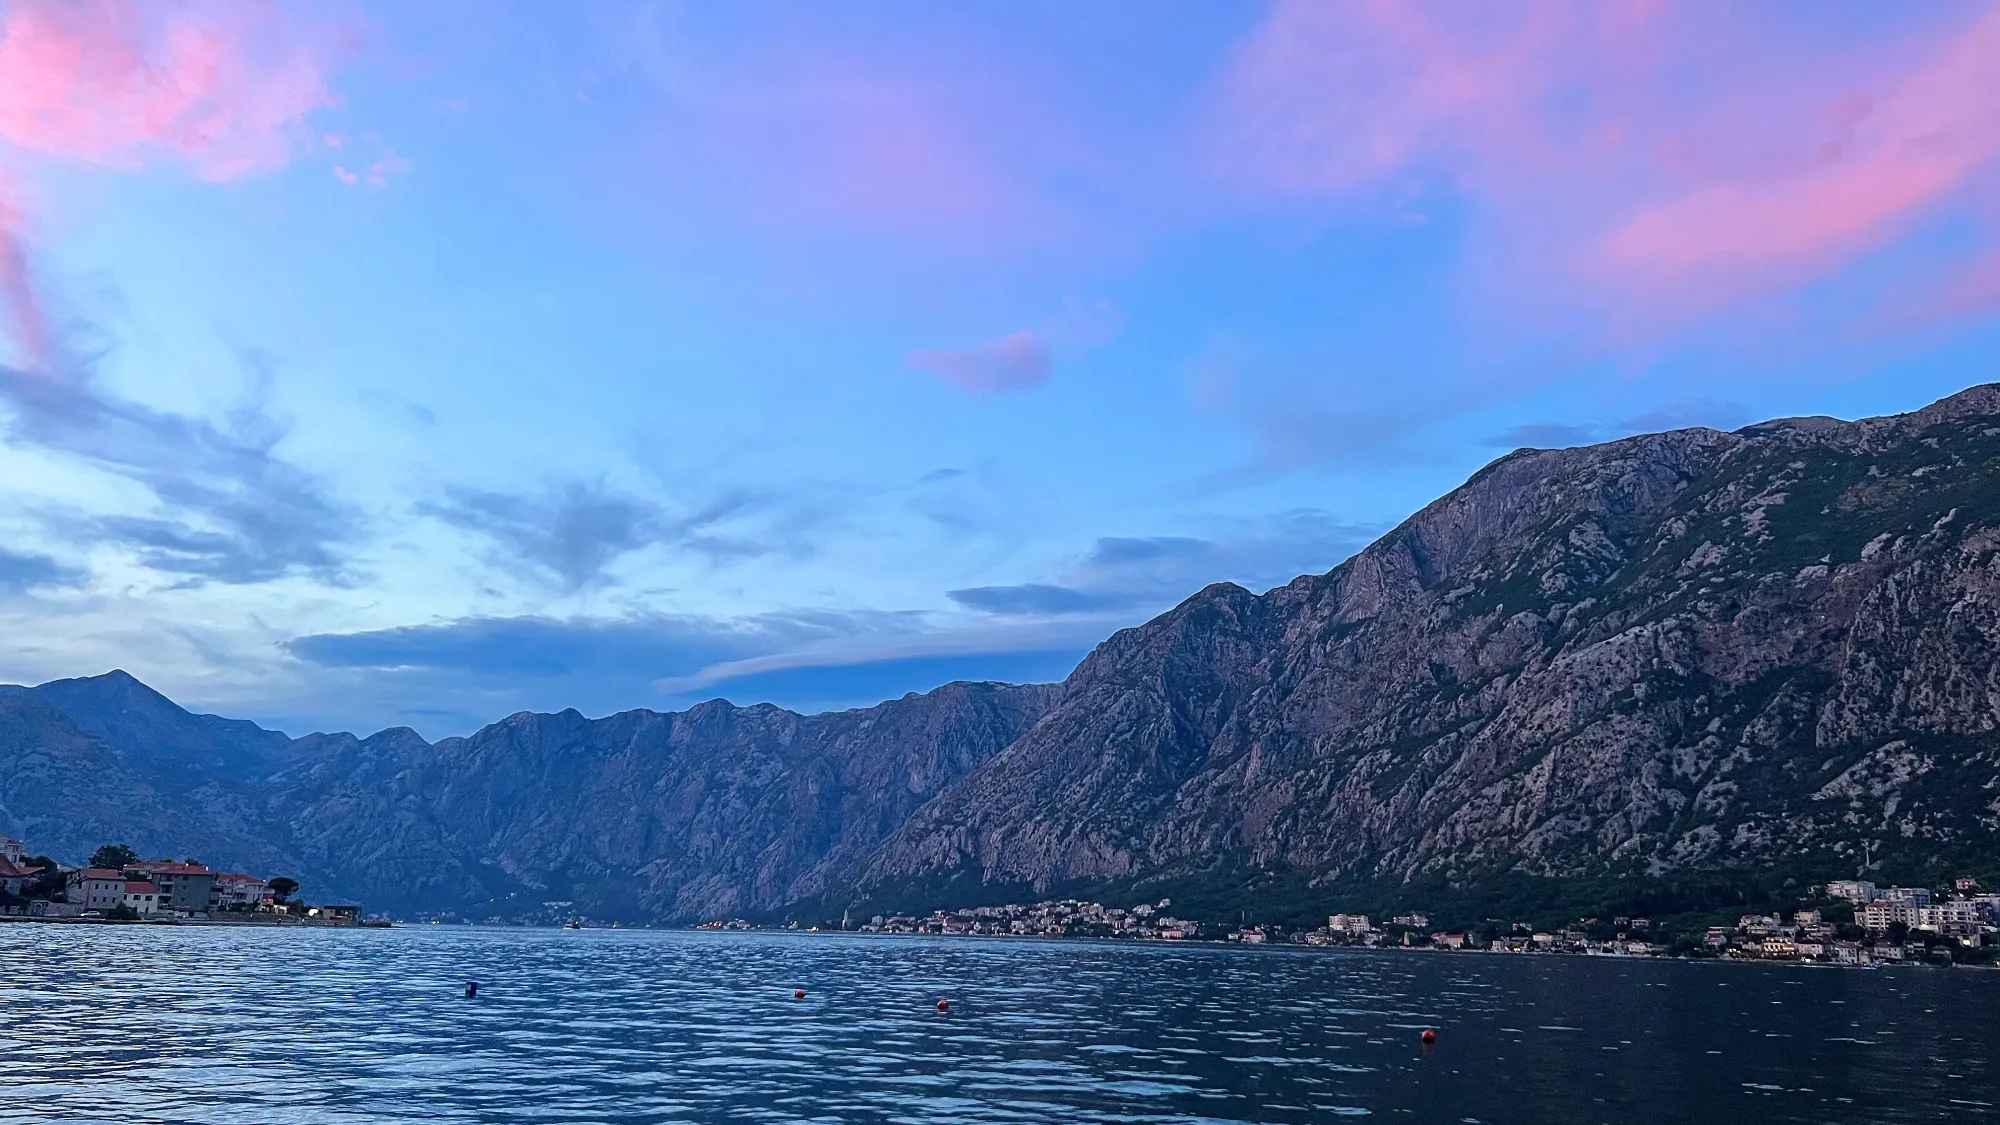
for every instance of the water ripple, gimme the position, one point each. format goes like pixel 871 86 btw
pixel 116 1024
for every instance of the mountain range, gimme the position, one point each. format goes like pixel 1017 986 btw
pixel 1692 653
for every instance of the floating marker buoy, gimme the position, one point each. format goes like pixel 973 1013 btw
pixel 1429 1037
pixel 798 993
pixel 944 1005
pixel 471 989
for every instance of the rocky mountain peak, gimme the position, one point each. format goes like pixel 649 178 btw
pixel 1692 651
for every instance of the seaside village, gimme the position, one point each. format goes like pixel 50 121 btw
pixel 132 889
pixel 1893 925
pixel 1067 918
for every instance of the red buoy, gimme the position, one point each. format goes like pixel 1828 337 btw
pixel 944 1005
pixel 798 993
pixel 1429 1037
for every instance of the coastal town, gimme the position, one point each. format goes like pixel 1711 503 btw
pixel 1065 918
pixel 1861 924
pixel 117 885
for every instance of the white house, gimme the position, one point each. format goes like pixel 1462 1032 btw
pixel 1347 923
pixel 142 896
pixel 97 888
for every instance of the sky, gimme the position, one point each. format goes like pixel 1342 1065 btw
pixel 372 364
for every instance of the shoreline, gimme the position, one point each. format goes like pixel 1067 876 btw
pixel 1039 939
pixel 1299 948
pixel 313 924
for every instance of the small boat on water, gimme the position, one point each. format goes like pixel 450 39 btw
pixel 573 924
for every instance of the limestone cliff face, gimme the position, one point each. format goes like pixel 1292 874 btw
pixel 1689 650
pixel 1683 649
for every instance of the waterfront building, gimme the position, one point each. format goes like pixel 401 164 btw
pixel 1348 923
pixel 185 887
pixel 13 876
pixel 97 888
pixel 233 888
pixel 142 896
pixel 1951 919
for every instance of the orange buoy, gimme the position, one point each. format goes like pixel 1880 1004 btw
pixel 944 1005
pixel 798 993
pixel 1429 1037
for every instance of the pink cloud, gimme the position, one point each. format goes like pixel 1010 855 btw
pixel 1651 160
pixel 1926 136
pixel 389 164
pixel 1019 361
pixel 21 314
pixel 836 135
pixel 218 87
pixel 222 89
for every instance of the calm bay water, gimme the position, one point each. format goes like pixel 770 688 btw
pixel 119 1024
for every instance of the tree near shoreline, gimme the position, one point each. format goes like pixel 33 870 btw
pixel 114 856
pixel 283 887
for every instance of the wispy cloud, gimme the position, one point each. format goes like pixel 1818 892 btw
pixel 1018 361
pixel 1037 599
pixel 1674 416
pixel 473 670
pixel 1297 419
pixel 569 533
pixel 844 135
pixel 223 88
pixel 230 509
pixel 21 571
pixel 1661 159
pixel 1122 575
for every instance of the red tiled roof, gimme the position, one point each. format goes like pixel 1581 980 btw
pixel 169 867
pixel 8 869
pixel 139 888
pixel 102 873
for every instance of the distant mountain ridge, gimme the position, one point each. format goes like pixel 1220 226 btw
pixel 1680 652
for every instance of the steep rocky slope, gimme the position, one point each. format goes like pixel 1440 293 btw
pixel 715 810
pixel 65 791
pixel 1690 651
pixel 1679 650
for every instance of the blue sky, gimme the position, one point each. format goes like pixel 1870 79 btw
pixel 419 364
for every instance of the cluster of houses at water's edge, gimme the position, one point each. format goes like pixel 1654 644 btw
pixel 121 886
